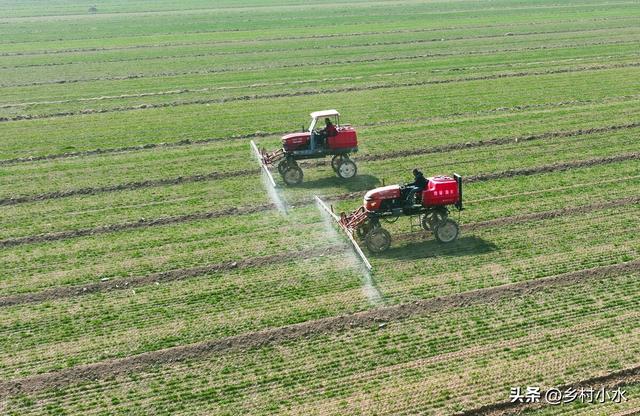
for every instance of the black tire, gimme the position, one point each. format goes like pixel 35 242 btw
pixel 282 166
pixel 335 162
pixel 378 240
pixel 347 169
pixel 447 231
pixel 431 219
pixel 292 175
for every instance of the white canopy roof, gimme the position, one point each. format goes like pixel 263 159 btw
pixel 324 113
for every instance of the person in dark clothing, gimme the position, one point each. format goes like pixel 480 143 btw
pixel 328 131
pixel 418 184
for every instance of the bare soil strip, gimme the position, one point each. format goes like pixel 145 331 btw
pixel 190 142
pixel 114 367
pixel 180 274
pixel 295 93
pixel 375 157
pixel 612 380
pixel 11 242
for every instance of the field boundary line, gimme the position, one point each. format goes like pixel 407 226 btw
pixel 62 292
pixel 258 339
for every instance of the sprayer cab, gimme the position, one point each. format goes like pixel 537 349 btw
pixel 324 137
pixel 432 205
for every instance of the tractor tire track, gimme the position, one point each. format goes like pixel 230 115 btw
pixel 195 142
pixel 375 157
pixel 259 339
pixel 612 380
pixel 326 36
pixel 186 273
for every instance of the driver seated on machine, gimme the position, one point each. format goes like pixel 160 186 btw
pixel 418 184
pixel 328 131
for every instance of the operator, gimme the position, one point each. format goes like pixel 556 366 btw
pixel 418 184
pixel 328 131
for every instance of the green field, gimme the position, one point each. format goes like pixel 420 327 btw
pixel 144 268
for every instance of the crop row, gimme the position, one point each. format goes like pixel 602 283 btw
pixel 496 340
pixel 487 121
pixel 218 305
pixel 119 29
pixel 328 43
pixel 341 86
pixel 117 129
pixel 275 60
pixel 216 160
pixel 353 185
pixel 154 222
pixel 82 260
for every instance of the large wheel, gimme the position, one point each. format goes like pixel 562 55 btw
pixel 446 231
pixel 292 175
pixel 282 166
pixel 347 169
pixel 377 240
pixel 335 162
pixel 431 219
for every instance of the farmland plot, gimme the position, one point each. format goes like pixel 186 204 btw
pixel 145 270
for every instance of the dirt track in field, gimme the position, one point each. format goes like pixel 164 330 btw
pixel 382 156
pixel 610 381
pixel 192 142
pixel 306 92
pixel 180 274
pixel 110 368
pixel 11 242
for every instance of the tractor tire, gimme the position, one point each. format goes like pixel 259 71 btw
pixel 430 220
pixel 347 169
pixel 292 175
pixel 378 240
pixel 282 166
pixel 335 162
pixel 446 231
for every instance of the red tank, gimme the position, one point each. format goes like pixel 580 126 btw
pixel 345 139
pixel 441 190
